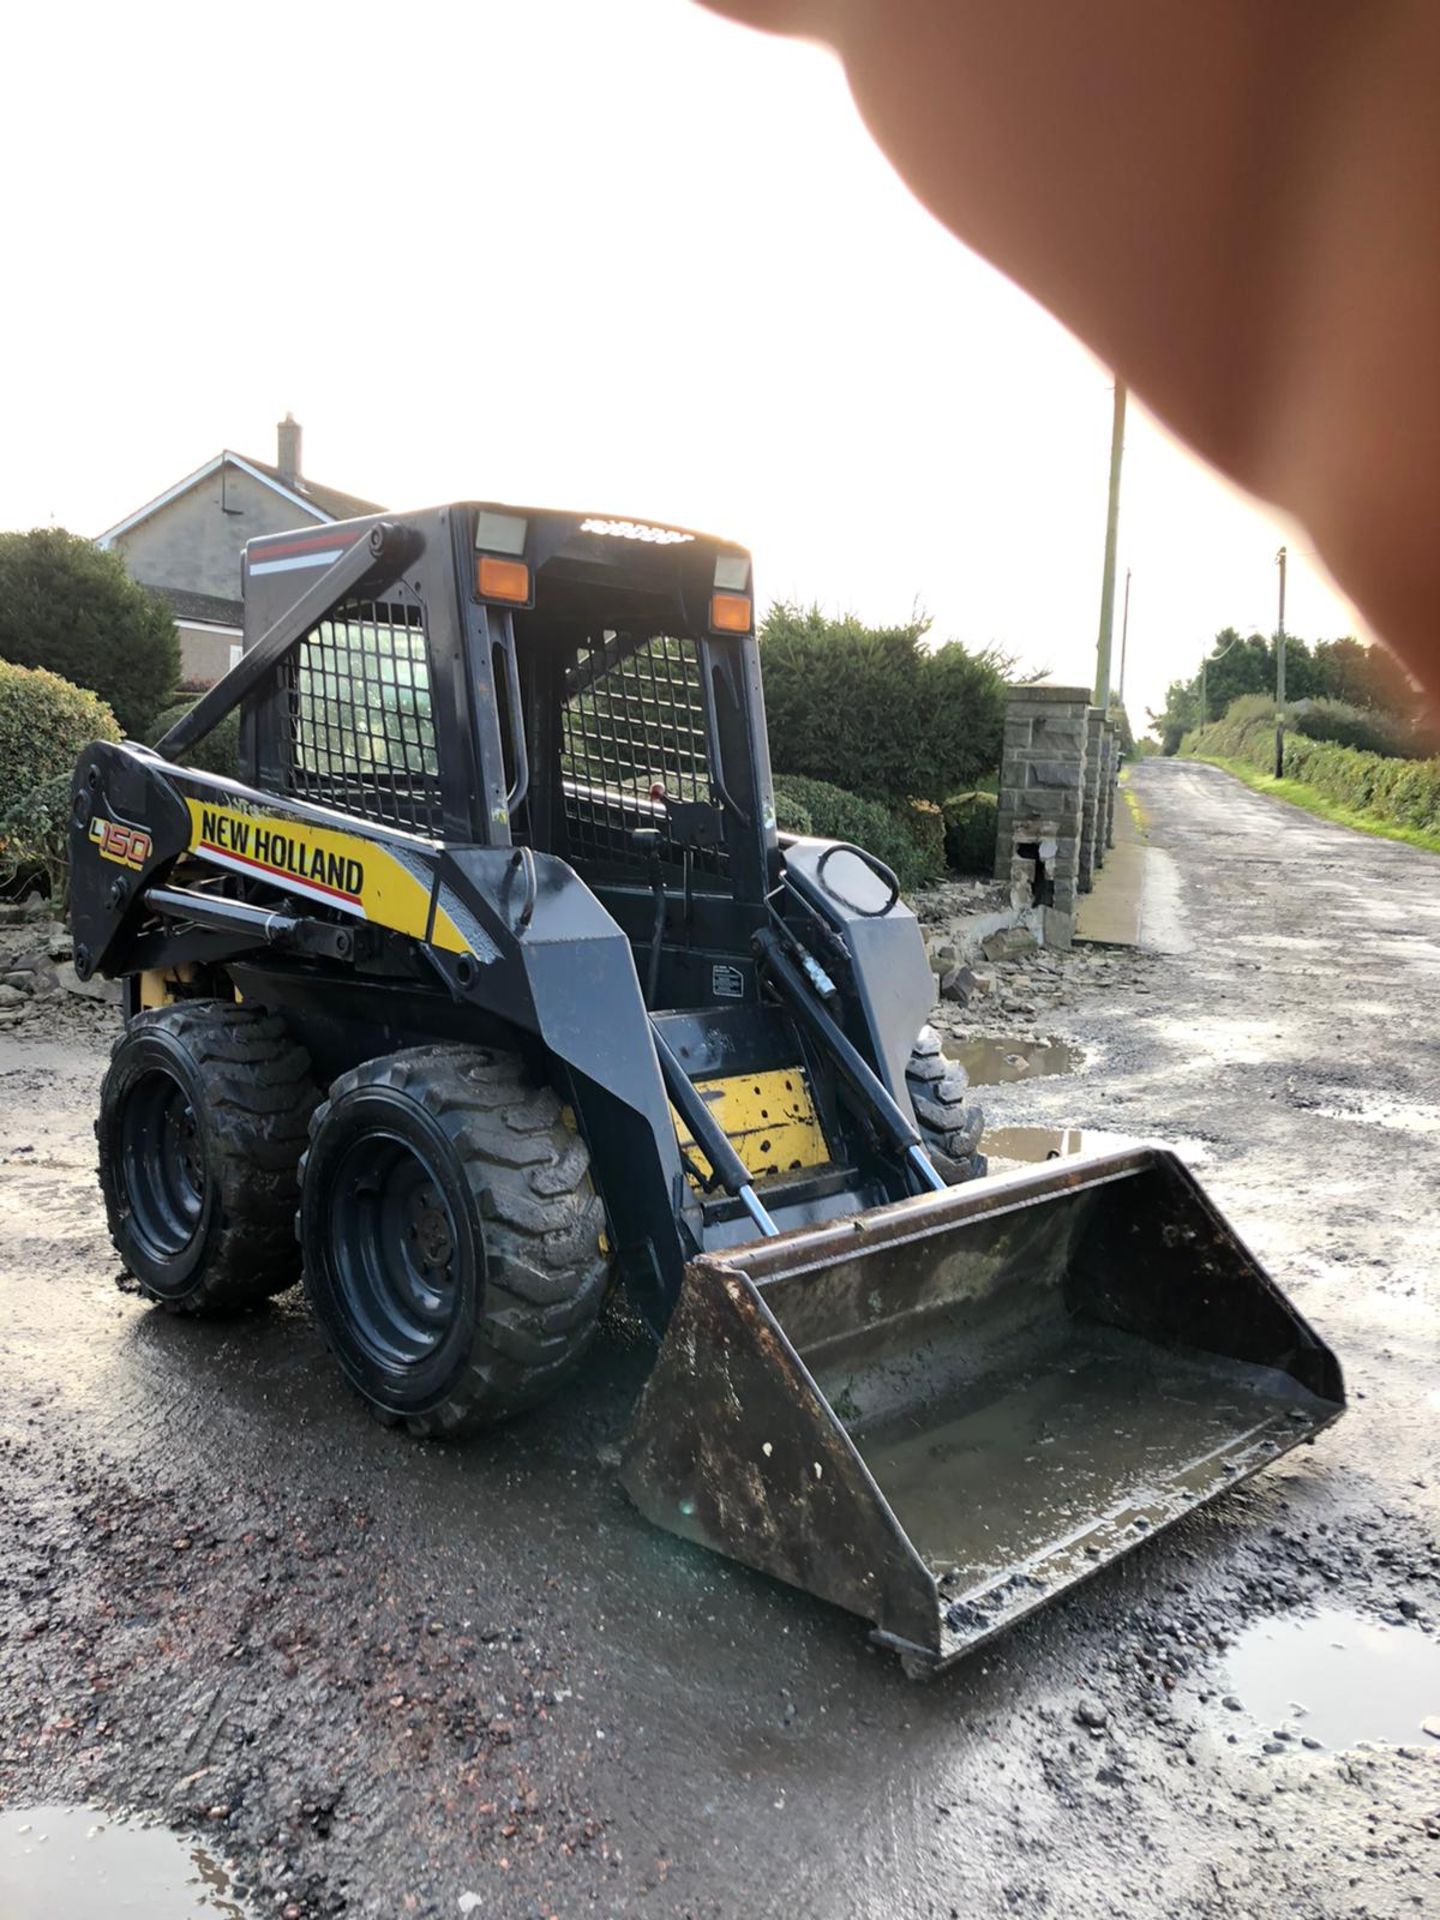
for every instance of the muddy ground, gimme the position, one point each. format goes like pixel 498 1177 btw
pixel 387 1679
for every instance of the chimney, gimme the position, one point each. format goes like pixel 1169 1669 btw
pixel 288 435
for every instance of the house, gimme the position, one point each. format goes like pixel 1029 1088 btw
pixel 185 544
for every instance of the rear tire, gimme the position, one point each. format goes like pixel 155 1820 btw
pixel 949 1125
pixel 203 1113
pixel 453 1239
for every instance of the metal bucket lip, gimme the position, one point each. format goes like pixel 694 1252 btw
pixel 1251 1454
pixel 925 1213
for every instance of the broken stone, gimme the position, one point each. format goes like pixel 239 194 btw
pixel 94 989
pixel 1006 943
pixel 958 984
pixel 12 996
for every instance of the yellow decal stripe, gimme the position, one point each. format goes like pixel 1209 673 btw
pixel 336 869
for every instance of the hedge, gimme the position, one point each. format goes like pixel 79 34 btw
pixel 218 752
pixel 908 841
pixel 971 832
pixel 874 711
pixel 1402 792
pixel 44 724
pixel 1247 729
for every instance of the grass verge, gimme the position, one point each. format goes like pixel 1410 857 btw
pixel 1306 798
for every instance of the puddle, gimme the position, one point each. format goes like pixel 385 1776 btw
pixel 996 1063
pixel 1337 1678
pixel 81 1863
pixel 1030 1144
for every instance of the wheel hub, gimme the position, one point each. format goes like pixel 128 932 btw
pixel 394 1250
pixel 162 1163
pixel 430 1230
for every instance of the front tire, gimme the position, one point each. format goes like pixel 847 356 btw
pixel 203 1114
pixel 949 1125
pixel 453 1240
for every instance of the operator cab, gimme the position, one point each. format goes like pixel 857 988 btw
pixel 615 719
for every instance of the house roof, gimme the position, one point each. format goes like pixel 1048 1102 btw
pixel 322 504
pixel 211 609
pixel 334 504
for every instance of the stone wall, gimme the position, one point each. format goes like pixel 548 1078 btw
pixel 1042 791
pixel 1091 825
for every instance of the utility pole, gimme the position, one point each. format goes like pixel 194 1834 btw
pixel 1112 529
pixel 1124 635
pixel 1280 675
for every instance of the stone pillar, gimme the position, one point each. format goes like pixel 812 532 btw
pixel 1042 781
pixel 1112 779
pixel 1090 856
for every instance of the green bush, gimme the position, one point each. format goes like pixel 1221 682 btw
pixel 1240 734
pixel 68 607
pixel 791 813
pixel 910 846
pixel 970 832
pixel 874 711
pixel 218 752
pixel 925 824
pixel 44 724
pixel 1347 726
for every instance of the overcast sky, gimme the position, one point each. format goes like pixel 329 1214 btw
pixel 612 254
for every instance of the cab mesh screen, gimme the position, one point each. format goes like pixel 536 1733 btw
pixel 632 723
pixel 361 729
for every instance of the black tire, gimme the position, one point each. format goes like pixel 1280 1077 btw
pixel 454 1243
pixel 949 1124
pixel 203 1117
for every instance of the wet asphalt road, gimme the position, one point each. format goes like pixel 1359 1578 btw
pixel 382 1677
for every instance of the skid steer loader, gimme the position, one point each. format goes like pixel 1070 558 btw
pixel 492 962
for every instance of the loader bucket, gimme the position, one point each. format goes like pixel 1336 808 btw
pixel 942 1413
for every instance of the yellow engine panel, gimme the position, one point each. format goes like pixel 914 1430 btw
pixel 769 1118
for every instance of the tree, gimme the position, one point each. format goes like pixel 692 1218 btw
pixel 68 607
pixel 1234 667
pixel 1366 677
pixel 1362 676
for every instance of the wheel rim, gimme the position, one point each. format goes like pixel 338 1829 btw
pixel 395 1250
pixel 163 1164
